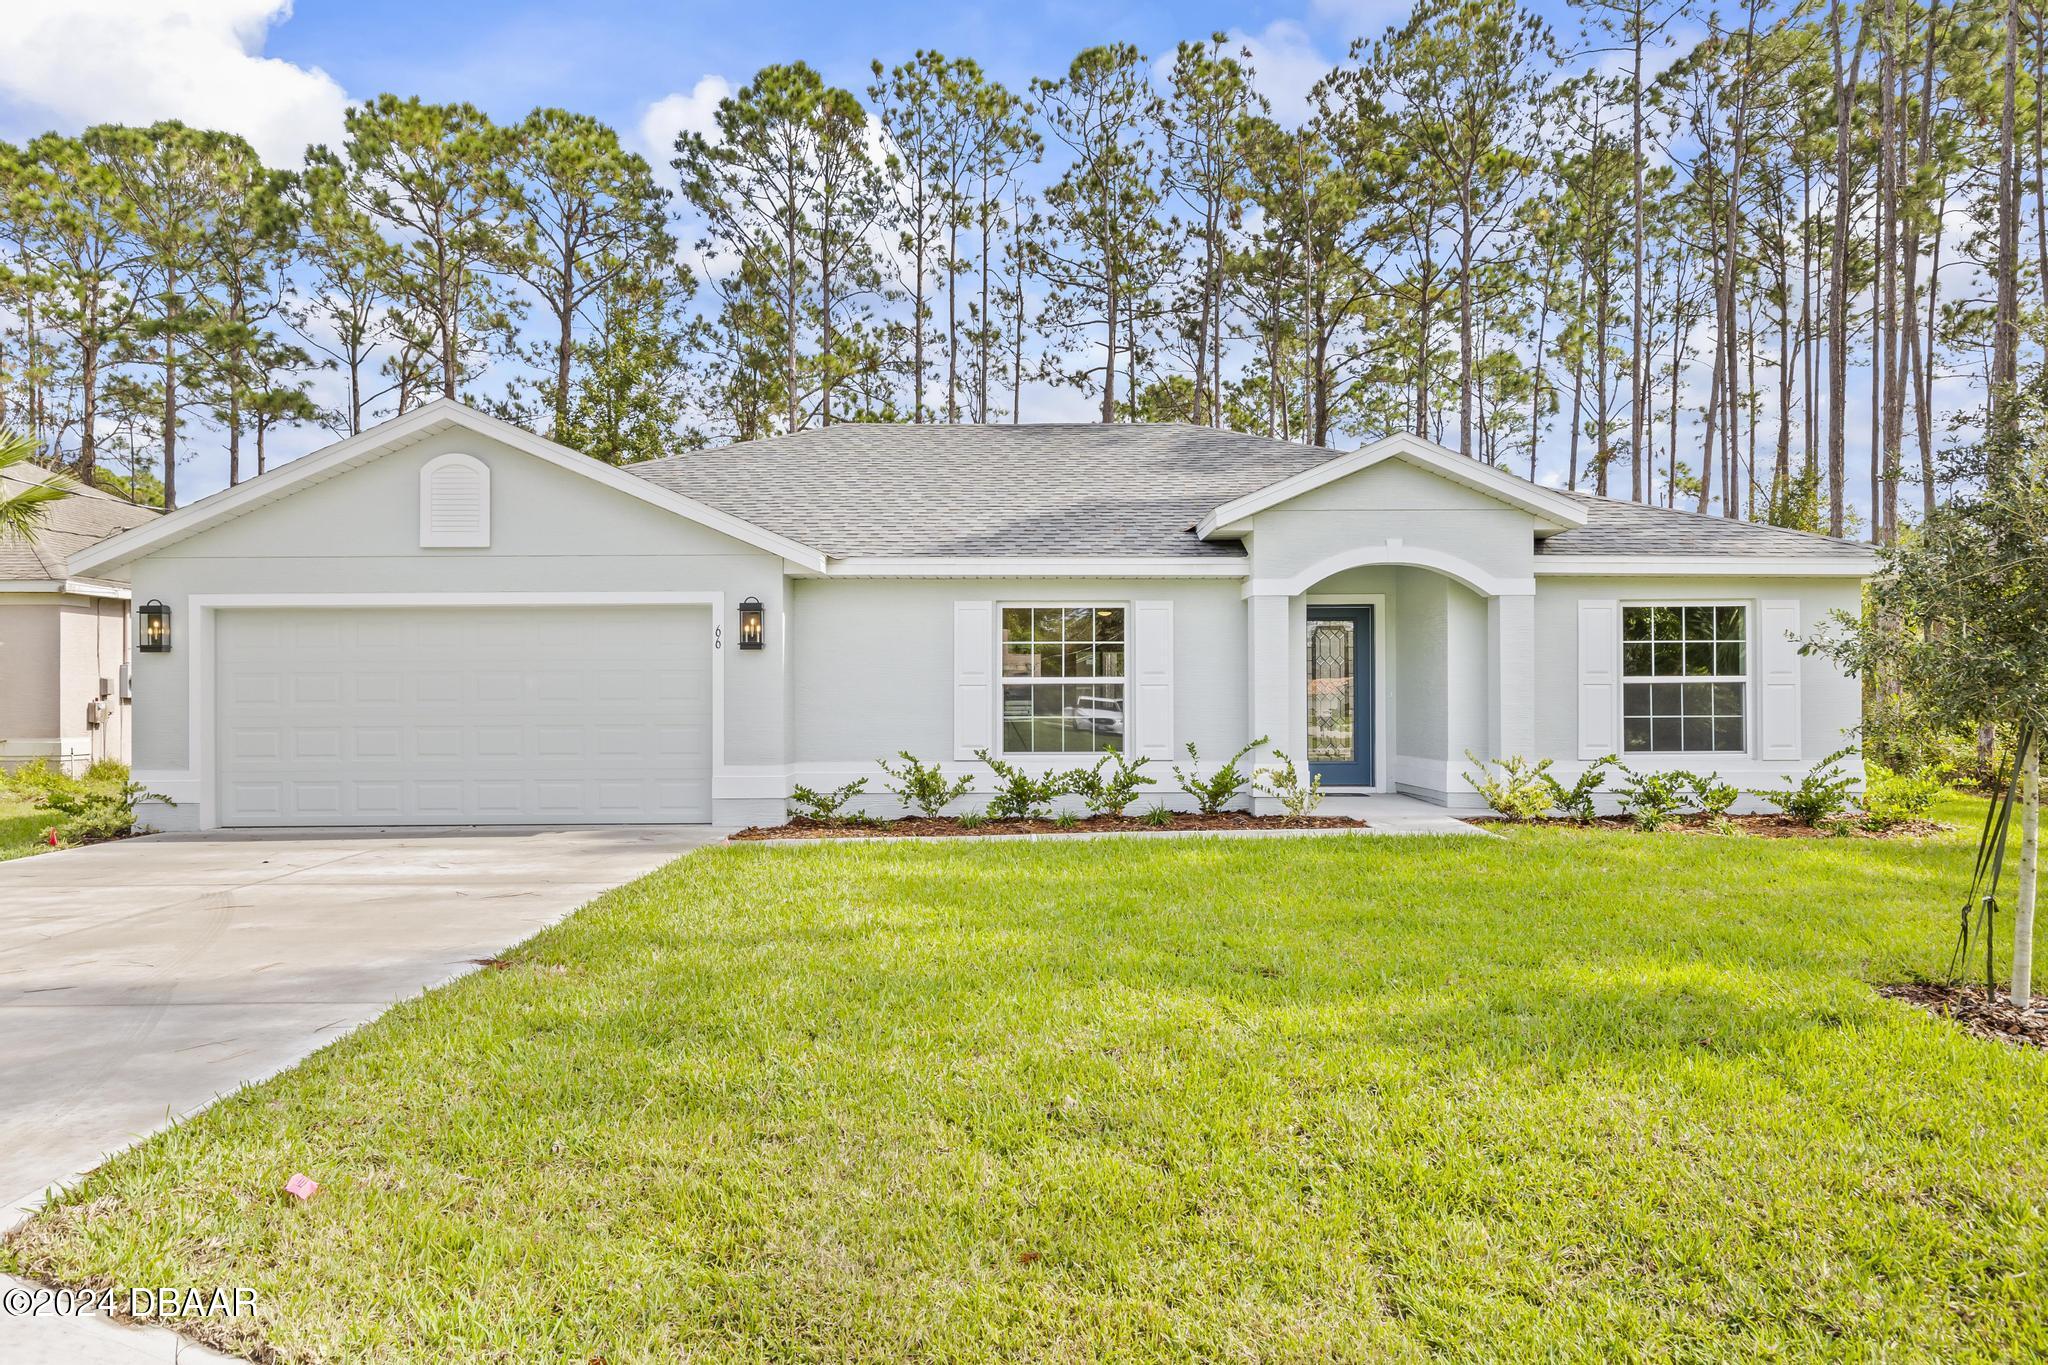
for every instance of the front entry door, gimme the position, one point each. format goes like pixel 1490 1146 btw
pixel 1340 695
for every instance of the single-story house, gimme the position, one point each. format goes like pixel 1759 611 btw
pixel 449 620
pixel 63 633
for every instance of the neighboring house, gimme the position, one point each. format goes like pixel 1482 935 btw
pixel 63 635
pixel 449 620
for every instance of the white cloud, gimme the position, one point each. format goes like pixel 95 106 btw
pixel 69 63
pixel 1286 65
pixel 678 113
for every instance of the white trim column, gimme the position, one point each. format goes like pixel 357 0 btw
pixel 1511 675
pixel 1269 630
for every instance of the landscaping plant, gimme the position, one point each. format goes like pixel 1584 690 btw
pixel 1652 799
pixel 921 786
pixel 1283 782
pixel 1712 797
pixel 1575 802
pixel 825 807
pixel 1891 798
pixel 1159 817
pixel 1822 797
pixel 1521 791
pixel 1020 795
pixel 90 809
pixel 1109 794
pixel 1221 787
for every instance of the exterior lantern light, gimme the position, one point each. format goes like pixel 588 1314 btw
pixel 752 635
pixel 156 628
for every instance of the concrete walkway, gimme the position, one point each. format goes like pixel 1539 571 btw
pixel 1395 814
pixel 141 980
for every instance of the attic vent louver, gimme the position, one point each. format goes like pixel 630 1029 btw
pixel 455 503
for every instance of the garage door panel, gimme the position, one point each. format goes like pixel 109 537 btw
pixel 443 716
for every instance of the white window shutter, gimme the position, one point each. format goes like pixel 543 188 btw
pixel 455 503
pixel 1152 679
pixel 1777 674
pixel 974 697
pixel 1599 677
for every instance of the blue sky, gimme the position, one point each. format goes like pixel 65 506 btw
pixel 282 74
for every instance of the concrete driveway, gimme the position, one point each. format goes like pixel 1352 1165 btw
pixel 140 980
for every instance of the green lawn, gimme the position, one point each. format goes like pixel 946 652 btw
pixel 21 829
pixel 1559 1095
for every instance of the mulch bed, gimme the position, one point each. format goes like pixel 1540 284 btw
pixel 1981 1016
pixel 1757 826
pixel 918 827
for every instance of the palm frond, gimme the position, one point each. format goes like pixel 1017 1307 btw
pixel 22 512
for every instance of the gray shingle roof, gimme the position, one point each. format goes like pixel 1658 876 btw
pixel 1631 528
pixel 1079 490
pixel 70 524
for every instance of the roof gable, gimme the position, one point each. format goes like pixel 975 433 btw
pixel 397 434
pixel 1552 511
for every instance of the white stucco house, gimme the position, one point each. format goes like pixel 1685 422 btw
pixel 448 620
pixel 64 634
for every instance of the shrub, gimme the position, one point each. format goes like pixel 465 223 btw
pixel 1112 794
pixel 1020 795
pixel 1221 787
pixel 1066 819
pixel 825 807
pixel 1575 802
pixel 1821 796
pixel 1159 817
pixel 1713 797
pixel 1522 791
pixel 1891 798
pixel 1652 799
pixel 973 819
pixel 922 787
pixel 1283 781
pixel 87 810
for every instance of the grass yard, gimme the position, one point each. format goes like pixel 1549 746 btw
pixel 21 829
pixel 1559 1095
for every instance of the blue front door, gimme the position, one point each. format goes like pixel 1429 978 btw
pixel 1340 695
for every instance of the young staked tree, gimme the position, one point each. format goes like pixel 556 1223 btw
pixel 587 212
pixel 1102 250
pixel 439 176
pixel 1955 614
pixel 1469 78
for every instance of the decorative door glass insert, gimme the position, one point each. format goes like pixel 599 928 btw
pixel 1332 674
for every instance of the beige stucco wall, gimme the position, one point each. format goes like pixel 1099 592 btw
pixel 54 649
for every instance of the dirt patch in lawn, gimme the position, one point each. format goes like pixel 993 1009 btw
pixel 919 827
pixel 1757 826
pixel 1976 1013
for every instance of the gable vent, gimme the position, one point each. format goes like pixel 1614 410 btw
pixel 455 502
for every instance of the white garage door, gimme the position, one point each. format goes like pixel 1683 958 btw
pixel 446 715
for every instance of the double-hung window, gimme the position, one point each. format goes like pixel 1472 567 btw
pixel 1063 679
pixel 1684 679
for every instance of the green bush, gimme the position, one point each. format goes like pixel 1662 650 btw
pixel 1111 794
pixel 1221 787
pixel 1575 802
pixel 1020 795
pixel 1521 791
pixel 1283 782
pixel 973 819
pixel 921 786
pixel 87 810
pixel 825 807
pixel 1711 796
pixel 1159 817
pixel 1821 797
pixel 1891 798
pixel 1066 819
pixel 1652 799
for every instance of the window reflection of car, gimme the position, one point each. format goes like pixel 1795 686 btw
pixel 1104 715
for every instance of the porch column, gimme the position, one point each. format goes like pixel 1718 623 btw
pixel 1511 675
pixel 1271 692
